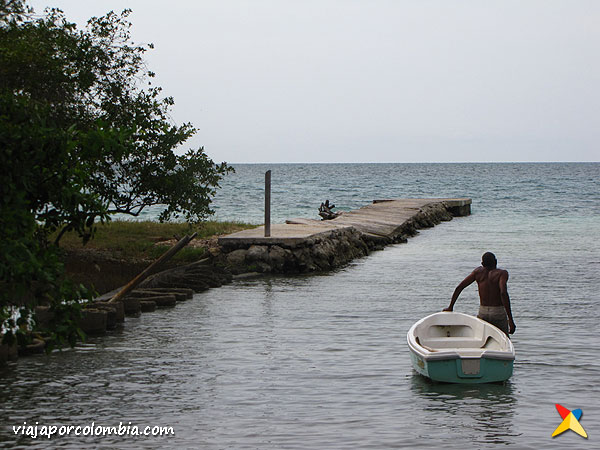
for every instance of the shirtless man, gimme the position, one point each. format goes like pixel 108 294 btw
pixel 493 295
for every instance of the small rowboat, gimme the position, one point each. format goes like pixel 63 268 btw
pixel 458 348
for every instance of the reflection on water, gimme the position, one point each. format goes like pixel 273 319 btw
pixel 485 411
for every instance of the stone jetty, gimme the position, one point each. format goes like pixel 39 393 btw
pixel 297 246
pixel 308 245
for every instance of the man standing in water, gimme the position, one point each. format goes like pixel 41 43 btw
pixel 493 295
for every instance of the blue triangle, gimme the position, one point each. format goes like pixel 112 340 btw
pixel 577 413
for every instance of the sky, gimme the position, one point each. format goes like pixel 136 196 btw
pixel 374 80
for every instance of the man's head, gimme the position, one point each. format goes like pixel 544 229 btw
pixel 488 260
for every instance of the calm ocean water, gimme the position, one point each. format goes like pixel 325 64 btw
pixel 321 362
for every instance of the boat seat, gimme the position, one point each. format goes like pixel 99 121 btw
pixel 468 352
pixel 451 342
pixel 492 344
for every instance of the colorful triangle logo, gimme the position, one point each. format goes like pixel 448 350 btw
pixel 570 421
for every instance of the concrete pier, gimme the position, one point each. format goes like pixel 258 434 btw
pixel 305 245
pixel 382 218
pixel 386 218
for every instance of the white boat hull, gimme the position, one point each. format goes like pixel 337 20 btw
pixel 458 348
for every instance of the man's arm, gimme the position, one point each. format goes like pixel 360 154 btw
pixel 506 301
pixel 463 284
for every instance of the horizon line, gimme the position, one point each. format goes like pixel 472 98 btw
pixel 415 162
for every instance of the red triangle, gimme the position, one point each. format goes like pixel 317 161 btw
pixel 564 412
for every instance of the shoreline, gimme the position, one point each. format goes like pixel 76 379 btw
pixel 299 246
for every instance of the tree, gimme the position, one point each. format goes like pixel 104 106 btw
pixel 84 134
pixel 97 74
pixel 37 170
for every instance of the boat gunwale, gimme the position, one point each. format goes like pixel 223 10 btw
pixel 454 353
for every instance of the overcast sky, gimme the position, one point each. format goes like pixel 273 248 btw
pixel 375 80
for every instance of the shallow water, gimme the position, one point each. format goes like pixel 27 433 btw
pixel 321 361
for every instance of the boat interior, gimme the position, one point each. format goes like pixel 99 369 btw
pixel 439 337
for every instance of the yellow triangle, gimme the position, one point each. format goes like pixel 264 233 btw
pixel 576 426
pixel 564 426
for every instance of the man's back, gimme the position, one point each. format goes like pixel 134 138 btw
pixel 494 302
pixel 490 283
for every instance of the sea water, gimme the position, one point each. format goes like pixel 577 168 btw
pixel 321 361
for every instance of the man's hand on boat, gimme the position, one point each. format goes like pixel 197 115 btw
pixel 511 326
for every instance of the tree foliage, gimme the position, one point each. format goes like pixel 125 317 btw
pixel 84 134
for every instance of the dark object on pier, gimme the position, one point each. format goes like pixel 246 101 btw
pixel 325 211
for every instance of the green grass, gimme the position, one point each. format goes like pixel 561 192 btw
pixel 132 239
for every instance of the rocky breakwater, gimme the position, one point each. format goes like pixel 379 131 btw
pixel 322 251
pixel 307 245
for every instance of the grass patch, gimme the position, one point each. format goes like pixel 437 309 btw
pixel 131 239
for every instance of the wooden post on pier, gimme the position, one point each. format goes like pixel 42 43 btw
pixel 268 203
